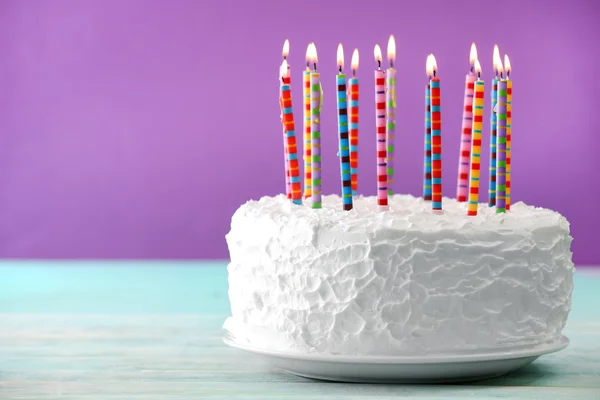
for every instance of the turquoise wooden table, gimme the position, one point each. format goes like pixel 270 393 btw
pixel 152 330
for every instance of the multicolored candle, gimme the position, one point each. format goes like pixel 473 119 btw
pixel 390 111
pixel 289 135
pixel 427 162
pixel 307 154
pixel 382 190
pixel 475 167
pixel 501 149
pixel 436 136
pixel 353 93
pixel 286 80
pixel 493 133
pixel 344 152
pixel 467 125
pixel 315 130
pixel 508 127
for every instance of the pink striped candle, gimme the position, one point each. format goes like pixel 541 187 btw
pixel 462 185
pixel 382 190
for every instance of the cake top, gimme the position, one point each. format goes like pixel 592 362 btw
pixel 406 212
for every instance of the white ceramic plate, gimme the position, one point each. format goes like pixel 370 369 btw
pixel 429 369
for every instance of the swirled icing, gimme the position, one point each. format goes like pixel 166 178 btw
pixel 401 282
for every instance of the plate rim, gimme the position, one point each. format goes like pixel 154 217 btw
pixel 501 354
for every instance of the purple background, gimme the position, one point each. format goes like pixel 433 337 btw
pixel 134 129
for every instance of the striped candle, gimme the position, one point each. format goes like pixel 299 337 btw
pixel 289 136
pixel 285 77
pixel 493 126
pixel 436 135
pixel 307 147
pixel 427 162
pixel 501 150
pixel 467 125
pixel 344 151
pixel 436 145
pixel 382 190
pixel 475 167
pixel 390 111
pixel 315 131
pixel 508 128
pixel 288 185
pixel 354 89
pixel 465 141
pixel 493 138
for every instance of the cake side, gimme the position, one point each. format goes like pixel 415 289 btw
pixel 401 282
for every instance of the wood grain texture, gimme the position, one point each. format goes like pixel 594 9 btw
pixel 132 331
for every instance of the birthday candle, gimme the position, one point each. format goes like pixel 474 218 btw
pixel 436 138
pixel 508 128
pixel 493 133
pixel 286 80
pixel 382 190
pixel 342 109
pixel 467 125
pixel 289 135
pixel 475 167
pixel 307 118
pixel 354 89
pixel 390 110
pixel 315 129
pixel 501 149
pixel 427 162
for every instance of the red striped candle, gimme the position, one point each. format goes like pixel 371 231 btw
pixel 286 81
pixel 436 137
pixel 466 131
pixel 382 190
pixel 289 135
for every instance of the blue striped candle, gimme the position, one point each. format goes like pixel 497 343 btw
pixel 344 151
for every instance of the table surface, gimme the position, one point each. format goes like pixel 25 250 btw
pixel 152 330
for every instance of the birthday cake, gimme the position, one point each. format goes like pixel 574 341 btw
pixel 401 282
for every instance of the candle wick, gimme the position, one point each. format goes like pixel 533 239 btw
pixel 479 75
pixel 508 74
pixel 340 69
pixel 378 64
pixel 315 67
pixel 434 71
pixel 391 63
pixel 501 74
pixel 353 73
pixel 285 57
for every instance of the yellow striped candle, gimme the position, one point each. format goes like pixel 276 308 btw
pixel 475 167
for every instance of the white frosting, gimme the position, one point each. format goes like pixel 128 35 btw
pixel 400 282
